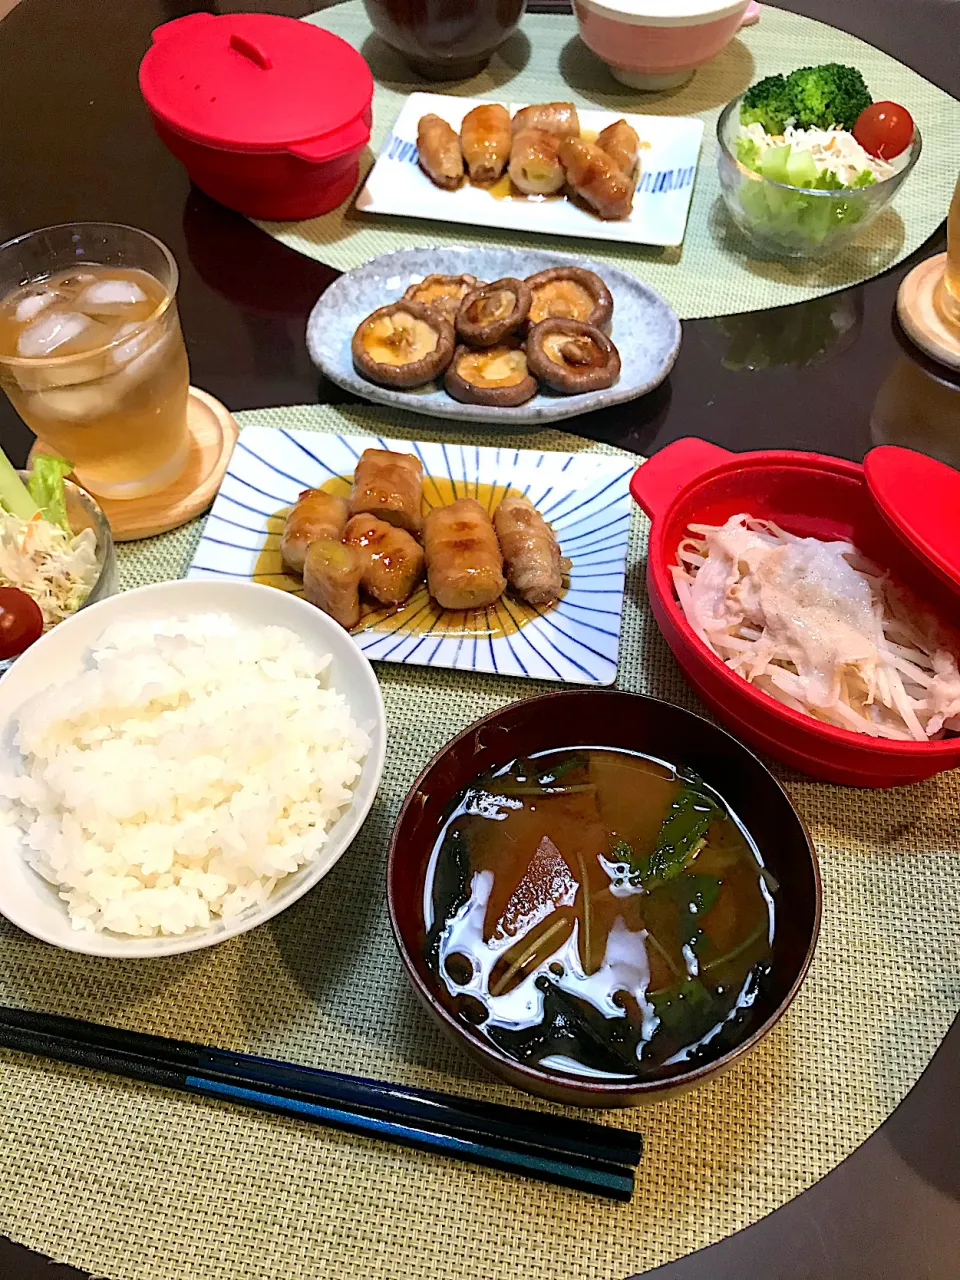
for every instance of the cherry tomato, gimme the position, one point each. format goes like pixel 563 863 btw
pixel 21 621
pixel 884 129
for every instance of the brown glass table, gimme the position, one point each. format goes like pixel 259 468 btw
pixel 834 374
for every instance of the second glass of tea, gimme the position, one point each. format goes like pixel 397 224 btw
pixel 91 353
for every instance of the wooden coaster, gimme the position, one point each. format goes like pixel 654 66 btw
pixel 919 316
pixel 213 433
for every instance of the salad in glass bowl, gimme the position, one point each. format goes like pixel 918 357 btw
pixel 56 551
pixel 808 160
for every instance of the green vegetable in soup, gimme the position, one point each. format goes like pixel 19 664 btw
pixel 680 838
pixel 573 1028
pixel 605 887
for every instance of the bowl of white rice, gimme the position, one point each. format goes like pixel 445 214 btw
pixel 179 764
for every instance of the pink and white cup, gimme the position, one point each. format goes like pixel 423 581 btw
pixel 658 44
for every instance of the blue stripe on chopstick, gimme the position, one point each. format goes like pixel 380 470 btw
pixel 386 1128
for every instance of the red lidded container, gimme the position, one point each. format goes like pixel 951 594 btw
pixel 901 509
pixel 268 115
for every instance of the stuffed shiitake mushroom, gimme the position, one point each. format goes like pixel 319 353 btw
pixel 491 375
pixel 405 345
pixel 492 312
pixel 443 293
pixel 572 357
pixel 570 292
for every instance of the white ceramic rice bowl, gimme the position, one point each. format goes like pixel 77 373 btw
pixel 31 902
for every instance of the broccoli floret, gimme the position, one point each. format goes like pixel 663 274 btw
pixel 767 103
pixel 821 97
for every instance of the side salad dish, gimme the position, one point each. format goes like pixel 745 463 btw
pixel 818 127
pixel 819 130
pixel 46 569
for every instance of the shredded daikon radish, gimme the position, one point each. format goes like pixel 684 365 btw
pixel 819 627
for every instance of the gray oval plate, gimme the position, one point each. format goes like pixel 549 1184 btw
pixel 645 329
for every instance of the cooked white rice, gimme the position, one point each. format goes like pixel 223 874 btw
pixel 193 766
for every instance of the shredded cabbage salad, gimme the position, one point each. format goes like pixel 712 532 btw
pixel 820 628
pixel 56 567
pixel 823 159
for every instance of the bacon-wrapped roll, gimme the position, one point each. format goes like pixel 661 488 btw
pixel 464 564
pixel 530 549
pixel 535 166
pixel 389 486
pixel 596 179
pixel 331 580
pixel 314 515
pixel 438 148
pixel 559 118
pixel 619 140
pixel 485 141
pixel 392 560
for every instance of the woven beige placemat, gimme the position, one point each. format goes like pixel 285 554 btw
pixel 713 273
pixel 138 1184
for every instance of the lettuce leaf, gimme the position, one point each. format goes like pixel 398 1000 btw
pixel 801 217
pixel 14 495
pixel 47 488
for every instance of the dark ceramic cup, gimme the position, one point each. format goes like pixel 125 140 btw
pixel 445 39
pixel 591 717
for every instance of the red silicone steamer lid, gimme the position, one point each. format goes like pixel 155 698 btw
pixel 919 498
pixel 257 82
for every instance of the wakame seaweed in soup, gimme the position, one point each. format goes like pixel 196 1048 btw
pixel 598 912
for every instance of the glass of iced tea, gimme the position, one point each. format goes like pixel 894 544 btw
pixel 947 294
pixel 91 353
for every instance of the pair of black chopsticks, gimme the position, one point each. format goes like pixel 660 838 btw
pixel 569 1153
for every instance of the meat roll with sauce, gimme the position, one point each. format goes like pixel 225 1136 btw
pixel 389 486
pixel 485 141
pixel 331 580
pixel 559 118
pixel 535 166
pixel 530 549
pixel 619 140
pixel 464 564
pixel 596 179
pixel 438 149
pixel 314 515
pixel 392 560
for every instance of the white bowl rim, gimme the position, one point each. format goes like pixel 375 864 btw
pixel 130 947
pixel 664 13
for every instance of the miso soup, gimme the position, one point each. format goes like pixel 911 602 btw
pixel 599 913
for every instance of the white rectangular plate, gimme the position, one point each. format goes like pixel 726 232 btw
pixel 668 165
pixel 584 496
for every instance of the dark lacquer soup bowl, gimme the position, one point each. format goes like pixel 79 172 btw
pixel 597 722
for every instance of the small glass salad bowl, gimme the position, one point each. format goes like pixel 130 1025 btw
pixel 83 512
pixel 794 221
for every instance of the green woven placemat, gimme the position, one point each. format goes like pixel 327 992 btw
pixel 134 1183
pixel 713 273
